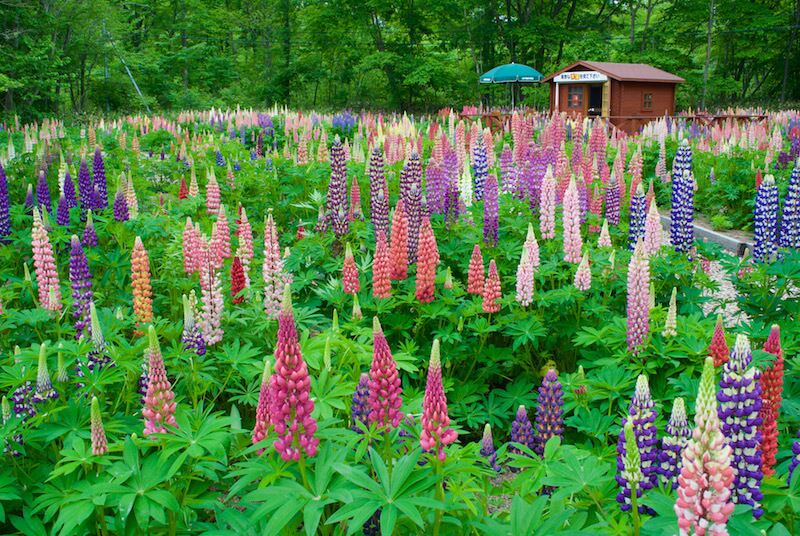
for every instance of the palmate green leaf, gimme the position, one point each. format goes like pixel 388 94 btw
pixel 527 330
pixel 575 474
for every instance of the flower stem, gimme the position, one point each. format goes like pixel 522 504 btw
pixel 440 496
pixel 634 509
pixel 301 464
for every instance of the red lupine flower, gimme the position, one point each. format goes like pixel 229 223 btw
pixel 475 273
pixel 427 261
pixel 237 280
pixel 183 193
pixel 491 290
pixel 771 390
pixel 350 281
pixel 385 391
pixel 399 244
pixel 436 431
pixel 719 347
pixel 290 388
pixel 381 281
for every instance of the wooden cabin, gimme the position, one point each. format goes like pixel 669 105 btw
pixel 627 94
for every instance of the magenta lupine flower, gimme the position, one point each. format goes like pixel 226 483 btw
pixel 638 309
pixel 263 408
pixel 45 265
pixel 89 237
pixel 672 445
pixel 573 243
pixel 550 412
pixel 385 390
pixel 583 275
pixel 99 187
pixel 490 209
pixel 487 446
pixel 436 431
pixel 704 485
pixel 378 193
pixel 80 279
pixel 547 205
pixel 159 402
pixel 359 407
pixel 99 442
pixel 337 191
pixel 642 415
pixel 290 388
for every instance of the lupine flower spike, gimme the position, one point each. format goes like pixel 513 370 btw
pixel 44 387
pixel 45 264
pixel 573 243
pixel 359 408
pixel 475 281
pixel 262 409
pixel 350 281
pixel 436 431
pixel 140 278
pixel 671 323
pixel 487 448
pixel 672 445
pixel 638 299
pixel 583 275
pixel 491 290
pixel 550 412
pixel 771 391
pixel 99 442
pixel 381 270
pixel 385 391
pixel 291 407
pixel 522 431
pixel 642 415
pixel 718 349
pixel 704 501
pixel 159 402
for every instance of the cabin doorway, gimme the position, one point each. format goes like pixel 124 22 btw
pixel 595 107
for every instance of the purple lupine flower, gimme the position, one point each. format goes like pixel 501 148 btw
pixel 359 409
pixel 795 457
pixel 378 193
pixel 192 338
pixel 739 410
pixel 89 237
pixel 765 216
pixel 30 202
pixel 678 434
pixel 638 216
pixel 490 209
pixel 220 159
pixel 100 186
pixel 435 180
pixel 583 196
pixel 43 193
pixel 337 191
pixel 62 212
pixel 452 206
pixel 642 414
pixel 120 206
pixel 69 190
pixel 80 279
pixel 790 217
pixel 521 431
pixel 681 228
pixel 5 219
pixel 411 194
pixel 479 168
pixel 683 158
pixel 712 176
pixel 550 412
pixel 97 358
pixel 487 448
pixel 85 187
pixel 508 171
pixel 44 386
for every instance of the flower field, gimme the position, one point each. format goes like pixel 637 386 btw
pixel 239 322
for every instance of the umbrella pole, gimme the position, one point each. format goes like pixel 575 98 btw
pixel 512 96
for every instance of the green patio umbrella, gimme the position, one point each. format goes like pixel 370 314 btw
pixel 511 73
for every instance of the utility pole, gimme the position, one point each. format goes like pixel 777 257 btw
pixel 127 70
pixel 105 68
pixel 708 51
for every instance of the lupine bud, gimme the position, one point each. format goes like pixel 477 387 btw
pixel 436 431
pixel 739 400
pixel 672 445
pixel 350 282
pixel 99 443
pixel 44 387
pixel 671 323
pixel 448 279
pixel 159 402
pixel 487 448
pixel 632 470
pixel 359 408
pixel 704 485
pixel 291 406
pixel 583 275
pixel 550 412
pixel 385 391
pixel 491 290
pixel 262 409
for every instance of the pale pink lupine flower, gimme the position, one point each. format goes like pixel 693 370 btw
pixel 604 240
pixel 45 265
pixel 159 401
pixel 525 282
pixel 583 275
pixel 547 205
pixel 652 230
pixel 573 243
pixel 245 249
pixel 638 298
pixel 272 271
pixel 533 248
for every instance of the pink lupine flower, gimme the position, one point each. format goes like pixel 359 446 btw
pixel 191 246
pixel 220 239
pixel 381 280
pixel 212 194
pixel 491 290
pixel 159 401
pixel 427 262
pixel 99 442
pixel 45 265
pixel 638 298
pixel 290 389
pixel 211 295
pixel 704 501
pixel 573 243
pixel 436 431
pixel 525 282
pixel 583 275
pixel 652 230
pixel 475 281
pixel 245 249
pixel 398 250
pixel 547 205
pixel 604 240
pixel 533 248
pixel 194 189
pixel 272 271
pixel 262 409
pixel 350 282
pixel 385 390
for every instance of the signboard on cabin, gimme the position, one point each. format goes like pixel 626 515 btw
pixel 580 76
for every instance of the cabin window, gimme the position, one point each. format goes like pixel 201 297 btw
pixel 648 101
pixel 575 97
